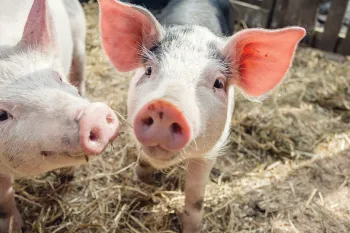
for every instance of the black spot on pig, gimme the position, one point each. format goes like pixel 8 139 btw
pixel 170 36
pixel 177 32
pixel 198 205
pixel 186 29
pixel 65 140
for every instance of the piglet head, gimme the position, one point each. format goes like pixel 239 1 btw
pixel 44 123
pixel 180 99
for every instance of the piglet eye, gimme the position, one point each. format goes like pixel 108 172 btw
pixel 58 77
pixel 148 71
pixel 4 115
pixel 219 84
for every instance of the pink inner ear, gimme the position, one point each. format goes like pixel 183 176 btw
pixel 261 58
pixel 36 29
pixel 124 30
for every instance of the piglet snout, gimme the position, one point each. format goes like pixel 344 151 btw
pixel 99 125
pixel 160 123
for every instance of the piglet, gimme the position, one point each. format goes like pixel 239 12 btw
pixel 181 98
pixel 44 123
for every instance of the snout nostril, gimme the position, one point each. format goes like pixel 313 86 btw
pixel 148 121
pixel 93 137
pixel 176 128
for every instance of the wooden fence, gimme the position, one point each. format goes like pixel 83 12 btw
pixel 282 13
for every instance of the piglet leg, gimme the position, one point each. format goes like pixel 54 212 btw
pixel 144 172
pixel 8 209
pixel 197 177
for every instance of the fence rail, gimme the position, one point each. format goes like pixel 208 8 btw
pixel 332 36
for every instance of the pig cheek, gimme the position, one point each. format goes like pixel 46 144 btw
pixel 219 121
pixel 10 153
pixel 20 163
pixel 70 142
pixel 214 121
pixel 222 94
pixel 131 103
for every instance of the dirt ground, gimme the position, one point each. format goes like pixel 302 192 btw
pixel 287 168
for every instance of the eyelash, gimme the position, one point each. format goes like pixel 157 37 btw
pixel 58 77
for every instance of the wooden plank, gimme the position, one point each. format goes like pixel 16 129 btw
pixel 270 6
pixel 307 18
pixel 328 39
pixel 260 3
pixel 344 44
pixel 253 2
pixel 267 4
pixel 292 15
pixel 253 16
pixel 279 13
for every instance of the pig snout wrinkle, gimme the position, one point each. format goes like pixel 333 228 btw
pixel 99 125
pixel 160 123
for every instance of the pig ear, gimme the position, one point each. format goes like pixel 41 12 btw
pixel 261 58
pixel 125 30
pixel 38 28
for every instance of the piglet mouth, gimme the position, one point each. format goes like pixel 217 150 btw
pixel 158 152
pixel 78 156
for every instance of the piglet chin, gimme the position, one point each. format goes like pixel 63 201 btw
pixel 158 153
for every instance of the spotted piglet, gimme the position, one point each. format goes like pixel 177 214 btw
pixel 181 98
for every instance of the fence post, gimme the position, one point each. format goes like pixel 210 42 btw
pixel 344 44
pixel 252 15
pixel 270 5
pixel 328 39
pixel 279 13
pixel 307 18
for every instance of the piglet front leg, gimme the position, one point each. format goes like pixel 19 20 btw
pixel 144 172
pixel 197 177
pixel 8 207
